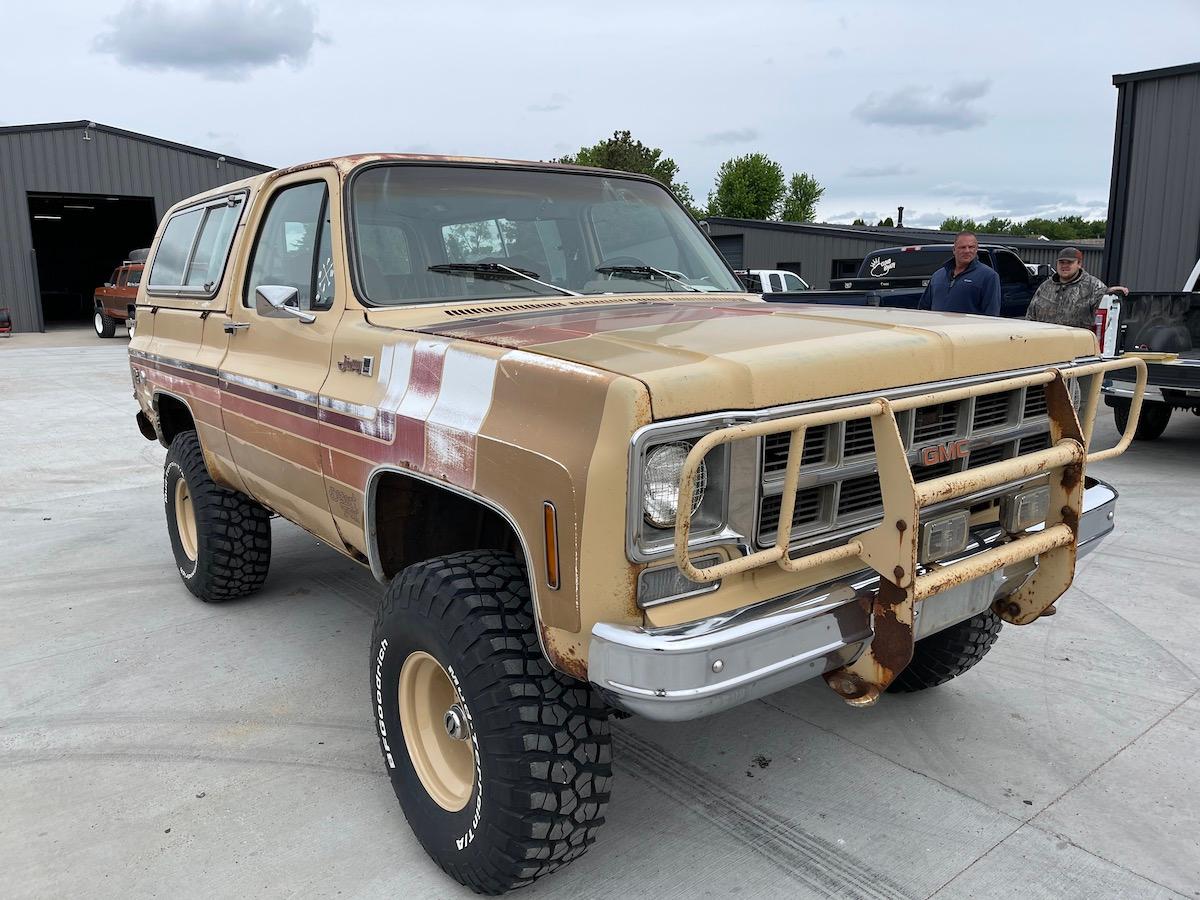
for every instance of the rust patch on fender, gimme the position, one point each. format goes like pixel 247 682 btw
pixel 565 659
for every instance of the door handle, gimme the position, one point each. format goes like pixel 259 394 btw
pixel 233 327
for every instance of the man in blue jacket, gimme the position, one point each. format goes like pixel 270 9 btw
pixel 964 284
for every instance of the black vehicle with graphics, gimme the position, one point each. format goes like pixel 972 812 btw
pixel 897 277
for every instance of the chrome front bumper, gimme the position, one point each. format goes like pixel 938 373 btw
pixel 694 670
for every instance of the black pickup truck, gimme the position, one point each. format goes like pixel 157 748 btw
pixel 897 277
pixel 1164 329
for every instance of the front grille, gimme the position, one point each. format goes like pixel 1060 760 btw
pixel 935 422
pixel 840 486
pixel 808 511
pixel 1035 442
pixel 860 438
pixel 1035 402
pixel 775 449
pixel 991 410
pixel 859 494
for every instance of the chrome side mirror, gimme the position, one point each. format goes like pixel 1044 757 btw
pixel 278 301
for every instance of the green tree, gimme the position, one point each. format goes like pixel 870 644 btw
pixel 958 223
pixel 885 223
pixel 800 201
pixel 623 153
pixel 748 187
pixel 858 222
pixel 995 225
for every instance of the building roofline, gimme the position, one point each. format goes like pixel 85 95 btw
pixel 1168 72
pixel 902 235
pixel 133 135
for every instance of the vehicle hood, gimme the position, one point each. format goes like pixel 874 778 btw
pixel 706 355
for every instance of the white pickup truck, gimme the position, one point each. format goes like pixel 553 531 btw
pixel 1164 329
pixel 772 281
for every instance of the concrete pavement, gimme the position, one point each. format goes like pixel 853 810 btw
pixel 153 745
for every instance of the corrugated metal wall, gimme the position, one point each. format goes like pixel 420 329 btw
pixel 59 160
pixel 766 248
pixel 1154 209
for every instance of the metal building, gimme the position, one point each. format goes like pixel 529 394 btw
pixel 820 253
pixel 76 198
pixel 1154 200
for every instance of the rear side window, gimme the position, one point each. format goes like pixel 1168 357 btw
pixel 173 249
pixel 194 248
pixel 212 246
pixel 134 277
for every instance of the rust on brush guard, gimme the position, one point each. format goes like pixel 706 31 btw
pixel 1071 475
pixel 892 645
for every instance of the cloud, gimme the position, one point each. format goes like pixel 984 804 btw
pixel 1019 203
pixel 732 136
pixel 925 109
pixel 220 39
pixel 880 171
pixel 555 103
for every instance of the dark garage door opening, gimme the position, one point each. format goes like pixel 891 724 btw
pixel 78 239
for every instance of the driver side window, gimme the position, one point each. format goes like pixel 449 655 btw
pixel 294 247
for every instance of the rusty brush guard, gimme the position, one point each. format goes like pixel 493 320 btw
pixel 890 548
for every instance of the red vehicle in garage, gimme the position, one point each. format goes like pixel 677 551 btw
pixel 116 298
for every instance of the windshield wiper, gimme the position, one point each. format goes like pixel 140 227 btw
pixel 498 272
pixel 645 272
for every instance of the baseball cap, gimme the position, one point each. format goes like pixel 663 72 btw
pixel 1070 253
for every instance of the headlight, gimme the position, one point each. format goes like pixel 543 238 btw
pixel 660 484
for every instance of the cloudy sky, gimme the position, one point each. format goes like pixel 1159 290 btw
pixel 944 107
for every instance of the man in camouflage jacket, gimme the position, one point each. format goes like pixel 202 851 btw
pixel 1070 296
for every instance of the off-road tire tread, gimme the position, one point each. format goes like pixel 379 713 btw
pixel 553 726
pixel 108 326
pixel 238 530
pixel 947 654
pixel 1152 422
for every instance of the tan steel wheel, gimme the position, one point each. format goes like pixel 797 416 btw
pixel 185 519
pixel 429 711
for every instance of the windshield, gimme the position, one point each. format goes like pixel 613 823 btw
pixel 436 234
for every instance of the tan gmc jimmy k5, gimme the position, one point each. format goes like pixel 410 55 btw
pixel 492 383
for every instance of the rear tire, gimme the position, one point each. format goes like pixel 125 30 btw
pixel 947 654
pixel 221 538
pixel 509 782
pixel 105 326
pixel 1151 423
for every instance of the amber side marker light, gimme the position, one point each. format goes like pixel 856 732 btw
pixel 551 522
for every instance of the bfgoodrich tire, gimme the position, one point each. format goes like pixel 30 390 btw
pixel 947 654
pixel 221 538
pixel 1152 421
pixel 501 764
